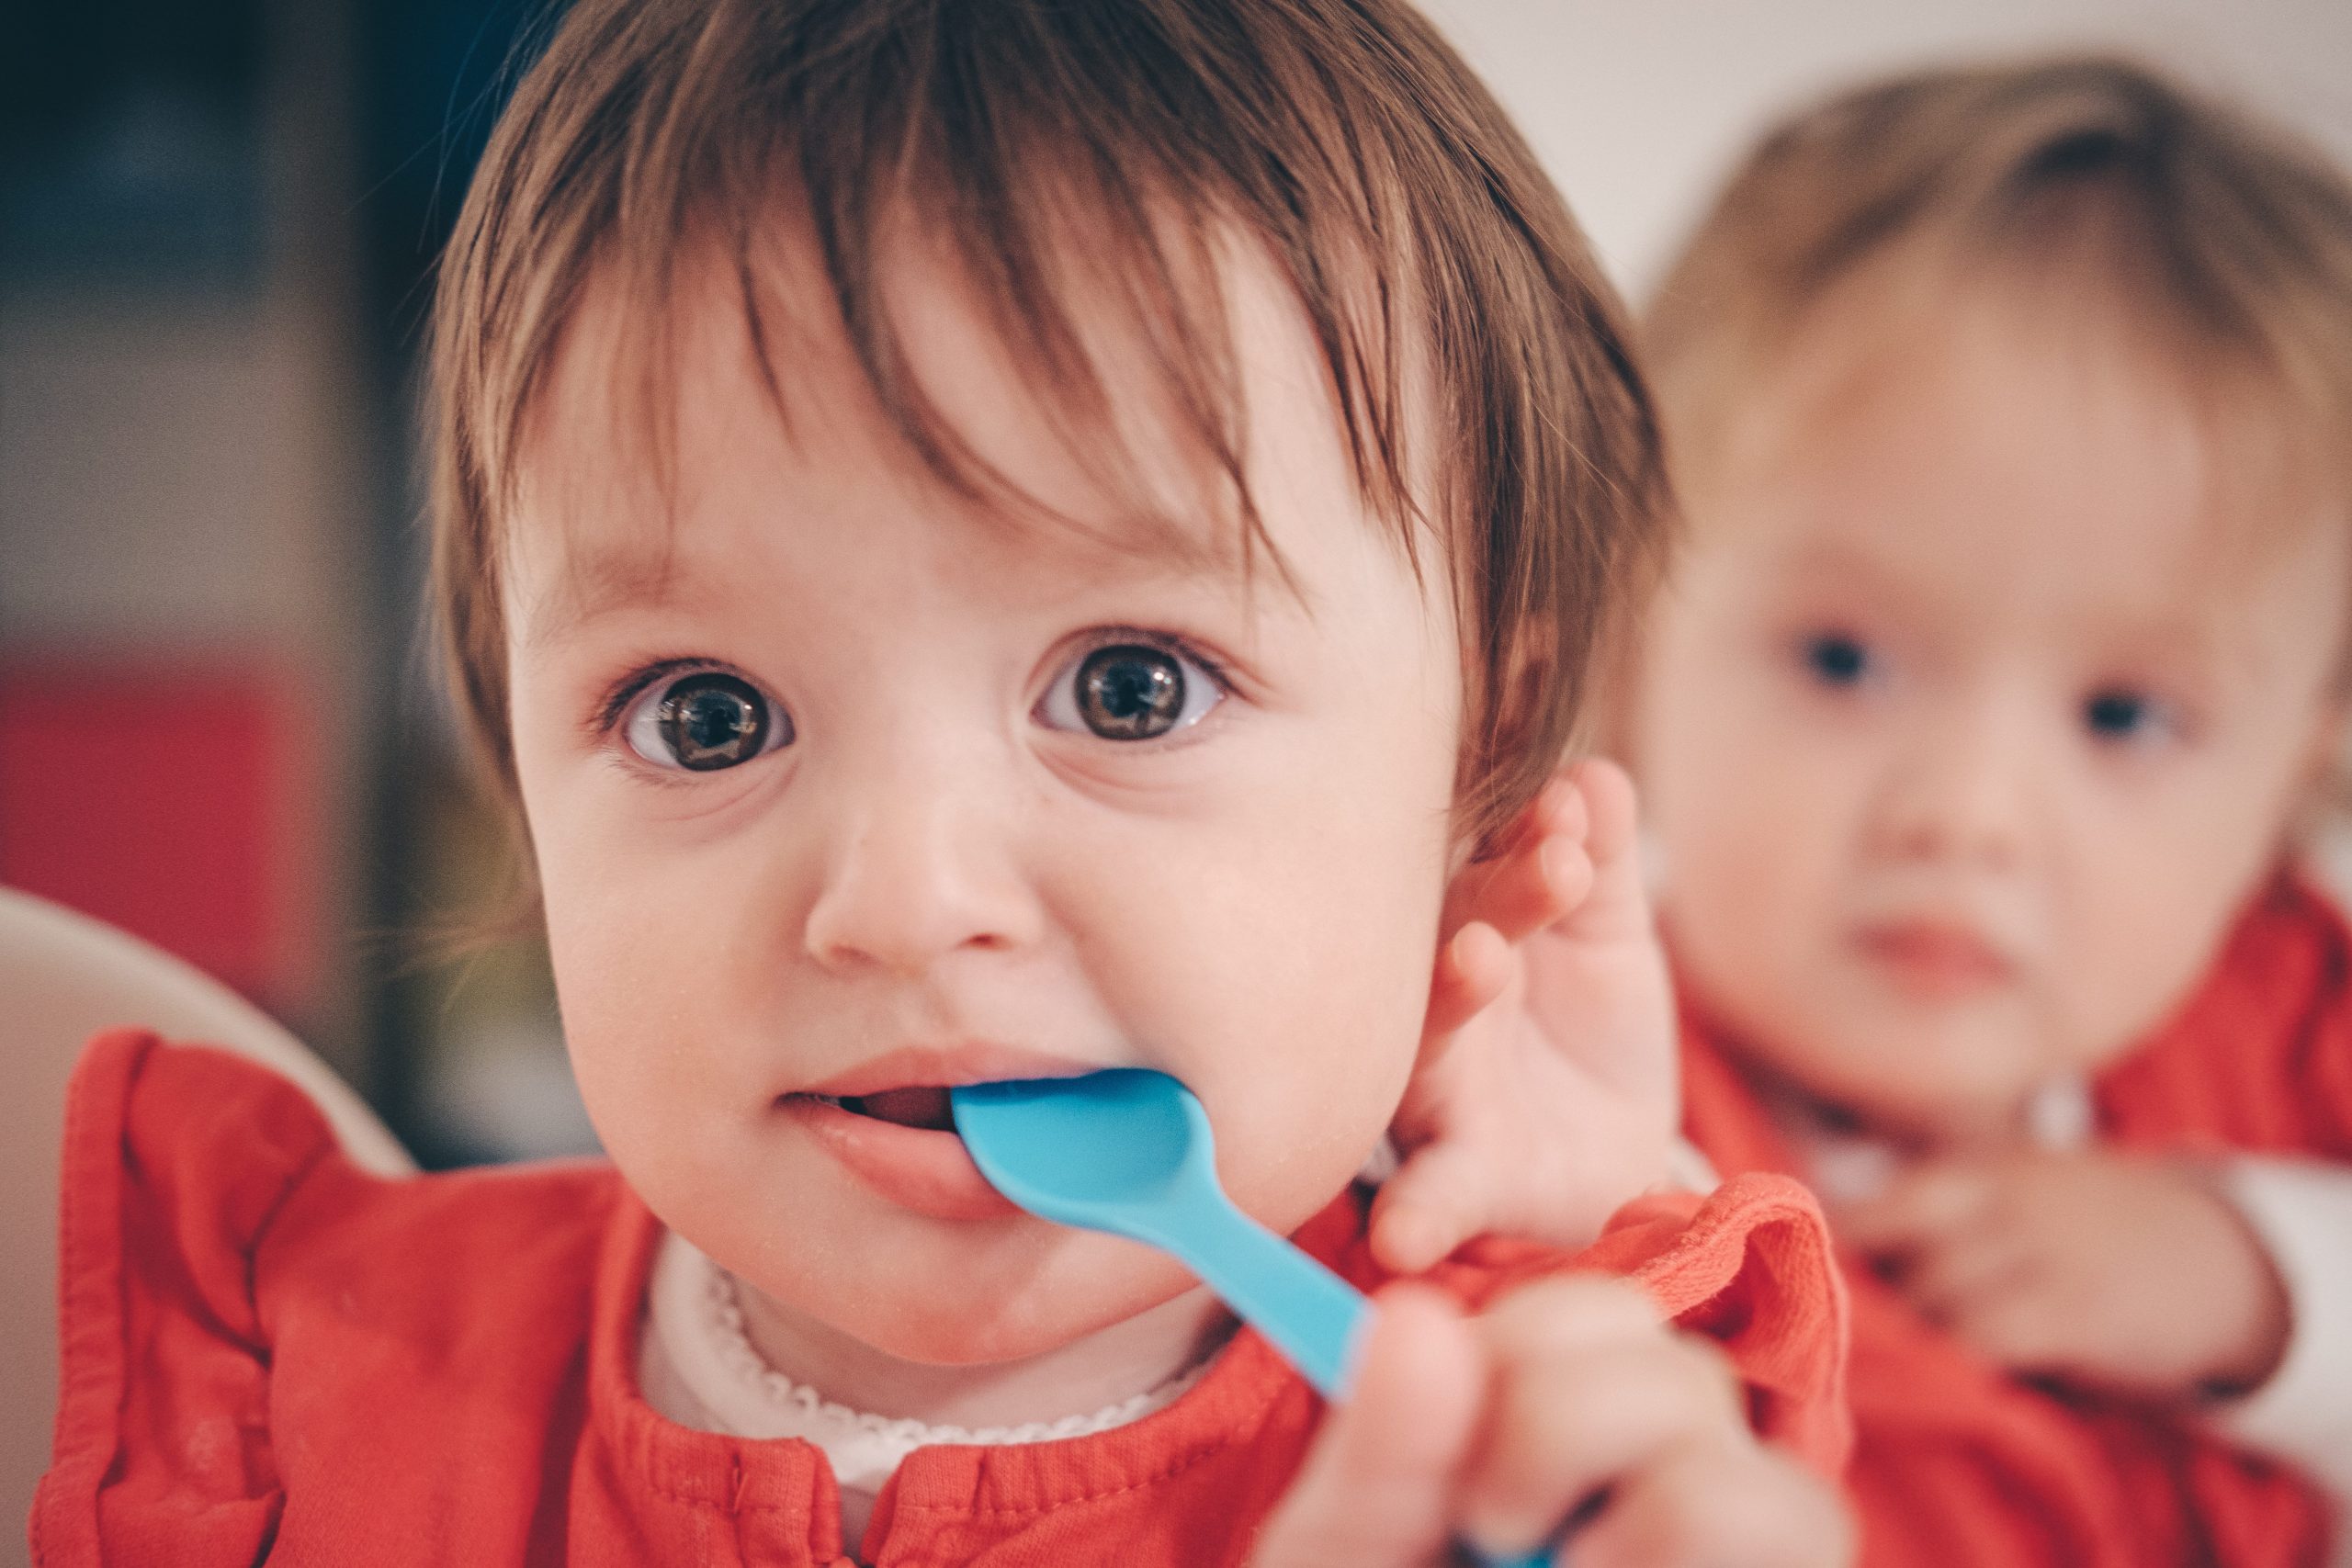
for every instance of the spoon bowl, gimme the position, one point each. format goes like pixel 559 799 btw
pixel 1122 1139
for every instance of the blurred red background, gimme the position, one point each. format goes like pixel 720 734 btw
pixel 177 803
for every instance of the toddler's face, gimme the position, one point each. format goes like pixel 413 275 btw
pixel 1964 737
pixel 854 795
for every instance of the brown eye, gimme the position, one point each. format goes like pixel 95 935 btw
pixel 704 722
pixel 1130 692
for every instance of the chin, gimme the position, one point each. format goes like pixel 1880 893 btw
pixel 997 1315
pixel 1952 1083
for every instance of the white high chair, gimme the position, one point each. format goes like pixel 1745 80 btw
pixel 65 976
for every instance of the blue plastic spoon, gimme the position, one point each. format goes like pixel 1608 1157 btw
pixel 1129 1152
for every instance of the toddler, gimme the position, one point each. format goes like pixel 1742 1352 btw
pixel 985 540
pixel 1978 729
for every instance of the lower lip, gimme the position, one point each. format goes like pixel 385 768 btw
pixel 1935 966
pixel 914 1167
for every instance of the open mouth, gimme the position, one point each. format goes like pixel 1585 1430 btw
pixel 924 1109
pixel 900 1143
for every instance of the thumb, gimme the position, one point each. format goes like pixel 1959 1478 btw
pixel 1437 1200
pixel 1376 1490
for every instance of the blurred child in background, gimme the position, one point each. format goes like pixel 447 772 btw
pixel 1980 731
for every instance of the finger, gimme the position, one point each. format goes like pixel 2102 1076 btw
pixel 1924 1203
pixel 1962 1276
pixel 1439 1198
pixel 2020 1327
pixel 1611 814
pixel 1588 1385
pixel 1536 881
pixel 1472 968
pixel 1569 1313
pixel 1558 808
pixel 1616 905
pixel 1706 1505
pixel 1376 1486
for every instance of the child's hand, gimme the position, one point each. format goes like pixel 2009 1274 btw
pixel 1545 1092
pixel 1568 1401
pixel 2118 1272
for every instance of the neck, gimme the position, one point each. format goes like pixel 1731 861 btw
pixel 1090 1374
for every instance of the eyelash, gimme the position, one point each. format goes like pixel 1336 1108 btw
pixel 1101 638
pixel 616 703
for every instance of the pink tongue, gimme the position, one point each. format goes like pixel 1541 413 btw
pixel 908 1108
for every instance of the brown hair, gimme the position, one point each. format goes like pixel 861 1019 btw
pixel 1111 143
pixel 2227 240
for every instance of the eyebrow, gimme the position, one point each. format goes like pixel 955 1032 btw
pixel 598 584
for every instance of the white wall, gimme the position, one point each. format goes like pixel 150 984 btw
pixel 1639 106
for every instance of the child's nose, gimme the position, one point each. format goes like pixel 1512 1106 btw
pixel 921 866
pixel 1961 793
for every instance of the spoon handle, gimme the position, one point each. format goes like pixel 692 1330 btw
pixel 1314 1317
pixel 1309 1314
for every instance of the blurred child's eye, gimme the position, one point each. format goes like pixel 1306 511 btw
pixel 1836 659
pixel 1131 692
pixel 2122 714
pixel 703 722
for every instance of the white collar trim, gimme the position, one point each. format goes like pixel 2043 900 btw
pixel 695 1325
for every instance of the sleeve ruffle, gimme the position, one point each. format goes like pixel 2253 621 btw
pixel 176 1163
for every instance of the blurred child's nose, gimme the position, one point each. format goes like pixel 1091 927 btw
pixel 919 863
pixel 1959 789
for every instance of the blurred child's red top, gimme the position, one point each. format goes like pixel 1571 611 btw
pixel 269 1351
pixel 1957 1463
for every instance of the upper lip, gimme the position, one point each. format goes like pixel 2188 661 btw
pixel 945 1067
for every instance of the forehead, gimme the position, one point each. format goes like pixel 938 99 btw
pixel 726 404
pixel 2019 458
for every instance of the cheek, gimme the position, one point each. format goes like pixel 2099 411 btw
pixel 650 966
pixel 1302 1054
pixel 1753 812
pixel 611 993
pixel 1281 967
pixel 2148 895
